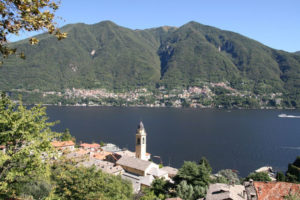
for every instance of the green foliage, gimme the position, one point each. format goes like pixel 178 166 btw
pixel 293 172
pixel 280 176
pixel 205 162
pixel 80 182
pixel 148 194
pixel 33 15
pixel 259 176
pixel 26 135
pixel 193 174
pixel 227 176
pixel 185 191
pixel 105 55
pixel 36 189
pixel 66 136
pixel 293 196
pixel 160 187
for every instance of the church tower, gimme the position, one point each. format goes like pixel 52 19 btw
pixel 140 142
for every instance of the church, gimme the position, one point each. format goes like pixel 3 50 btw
pixel 138 168
pixel 141 143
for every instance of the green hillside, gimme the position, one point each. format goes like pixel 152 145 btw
pixel 105 55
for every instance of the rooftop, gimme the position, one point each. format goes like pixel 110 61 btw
pixel 87 145
pixel 275 190
pixel 62 143
pixel 219 191
pixel 134 163
pixel 171 171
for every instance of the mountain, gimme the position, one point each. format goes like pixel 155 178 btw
pixel 297 52
pixel 105 55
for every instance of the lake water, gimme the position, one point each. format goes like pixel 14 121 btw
pixel 238 139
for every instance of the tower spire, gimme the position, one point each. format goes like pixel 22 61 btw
pixel 140 145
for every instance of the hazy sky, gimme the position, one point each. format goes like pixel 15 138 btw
pixel 275 23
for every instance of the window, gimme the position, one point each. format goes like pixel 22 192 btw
pixel 138 142
pixel 143 140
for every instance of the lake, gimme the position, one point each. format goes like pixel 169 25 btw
pixel 230 139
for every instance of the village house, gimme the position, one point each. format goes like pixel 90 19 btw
pixel 220 191
pixel 90 147
pixel 102 155
pixel 104 166
pixel 64 145
pixel 110 148
pixel 136 166
pixel 250 190
pixel 170 170
pixel 275 190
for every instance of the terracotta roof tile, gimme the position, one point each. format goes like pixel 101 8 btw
pixel 275 190
pixel 101 155
pixel 62 143
pixel 87 145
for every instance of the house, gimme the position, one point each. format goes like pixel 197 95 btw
pixel 170 170
pixel 158 173
pixel 100 155
pixel 275 190
pixel 90 147
pixel 104 166
pixel 126 153
pixel 64 145
pixel 78 154
pixel 110 147
pixel 220 191
pixel 136 165
pixel 250 190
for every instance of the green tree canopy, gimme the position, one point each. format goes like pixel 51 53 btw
pixel 26 136
pixel 259 176
pixel 193 174
pixel 26 15
pixel 230 176
pixel 88 183
pixel 293 172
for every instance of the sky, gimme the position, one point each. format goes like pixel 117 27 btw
pixel 275 23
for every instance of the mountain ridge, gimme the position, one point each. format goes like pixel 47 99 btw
pixel 106 55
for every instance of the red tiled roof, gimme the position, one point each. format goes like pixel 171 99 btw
pixel 62 144
pixel 275 190
pixel 87 145
pixel 101 155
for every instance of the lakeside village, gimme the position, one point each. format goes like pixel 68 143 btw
pixel 138 168
pixel 209 95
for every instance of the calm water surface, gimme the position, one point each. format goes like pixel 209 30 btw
pixel 239 139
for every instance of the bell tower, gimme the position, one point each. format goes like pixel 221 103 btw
pixel 140 142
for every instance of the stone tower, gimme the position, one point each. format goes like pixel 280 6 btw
pixel 140 142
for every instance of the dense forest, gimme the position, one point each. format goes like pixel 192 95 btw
pixel 105 55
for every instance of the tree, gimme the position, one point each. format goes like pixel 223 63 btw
pixel 193 174
pixel 80 183
pixel 205 162
pixel 280 176
pixel 160 187
pixel 26 15
pixel 26 135
pixel 259 176
pixel 185 191
pixel 293 172
pixel 230 176
pixel 66 136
